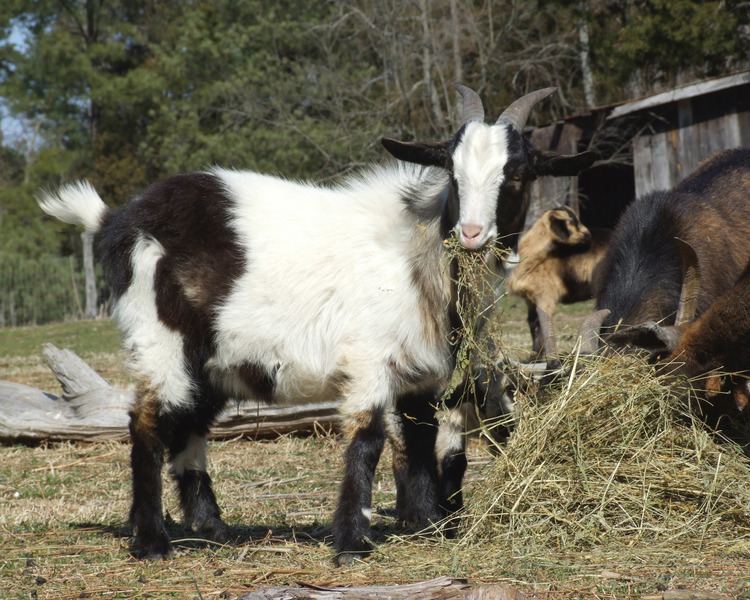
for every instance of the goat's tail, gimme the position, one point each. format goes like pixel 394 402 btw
pixel 75 203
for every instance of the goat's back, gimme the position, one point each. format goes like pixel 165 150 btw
pixel 641 275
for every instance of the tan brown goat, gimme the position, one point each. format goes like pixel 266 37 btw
pixel 557 259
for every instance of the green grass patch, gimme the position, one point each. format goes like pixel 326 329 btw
pixel 83 337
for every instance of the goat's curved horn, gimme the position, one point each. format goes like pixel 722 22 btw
pixel 471 105
pixel 691 283
pixel 589 331
pixel 518 112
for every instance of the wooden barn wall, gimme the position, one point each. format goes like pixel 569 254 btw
pixel 548 192
pixel 687 132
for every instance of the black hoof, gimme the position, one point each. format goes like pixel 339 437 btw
pixel 417 525
pixel 414 521
pixel 344 559
pixel 450 526
pixel 157 548
pixel 215 530
pixel 349 550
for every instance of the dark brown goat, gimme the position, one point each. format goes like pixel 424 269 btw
pixel 641 277
pixel 718 341
pixel 558 256
pixel 709 349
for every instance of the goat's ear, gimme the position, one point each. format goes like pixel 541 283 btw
pixel 660 340
pixel 430 155
pixel 561 165
pixel 558 227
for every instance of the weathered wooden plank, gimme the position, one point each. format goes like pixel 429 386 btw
pixel 440 588
pixel 642 165
pixel 688 140
pixel 743 118
pixel 548 192
pixel 91 409
pixel 681 93
pixel 661 172
pixel 29 414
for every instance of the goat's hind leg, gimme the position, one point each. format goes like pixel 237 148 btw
pixel 200 510
pixel 151 539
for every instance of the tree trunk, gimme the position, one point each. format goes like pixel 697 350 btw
pixel 92 308
pixel 585 56
pixel 430 89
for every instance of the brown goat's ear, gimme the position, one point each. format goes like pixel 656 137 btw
pixel 558 227
pixel 430 155
pixel 561 165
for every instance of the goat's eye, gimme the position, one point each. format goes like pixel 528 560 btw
pixel 515 178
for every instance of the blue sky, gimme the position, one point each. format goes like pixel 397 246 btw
pixel 15 130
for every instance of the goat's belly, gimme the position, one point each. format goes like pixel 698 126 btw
pixel 278 383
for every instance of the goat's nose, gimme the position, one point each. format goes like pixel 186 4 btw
pixel 471 231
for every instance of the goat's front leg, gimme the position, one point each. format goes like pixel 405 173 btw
pixel 450 449
pixel 412 431
pixel 351 521
pixel 537 339
pixel 547 327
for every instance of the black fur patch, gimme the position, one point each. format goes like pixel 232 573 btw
pixel 351 529
pixel 188 215
pixel 513 195
pixel 417 477
pixel 453 468
pixel 146 459
pixel 258 379
pixel 642 267
pixel 199 507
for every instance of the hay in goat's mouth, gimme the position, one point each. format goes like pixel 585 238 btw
pixel 611 455
pixel 479 278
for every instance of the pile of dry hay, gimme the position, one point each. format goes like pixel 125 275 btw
pixel 609 456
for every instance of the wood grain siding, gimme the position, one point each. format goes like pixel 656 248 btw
pixel 549 192
pixel 653 162
pixel 677 144
pixel 672 133
pixel 743 122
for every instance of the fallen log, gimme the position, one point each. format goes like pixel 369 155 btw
pixel 440 588
pixel 91 409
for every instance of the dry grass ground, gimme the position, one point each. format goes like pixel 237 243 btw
pixel 63 509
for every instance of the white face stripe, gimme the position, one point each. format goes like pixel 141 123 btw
pixel 478 163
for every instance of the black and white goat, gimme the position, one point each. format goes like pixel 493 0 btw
pixel 236 284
